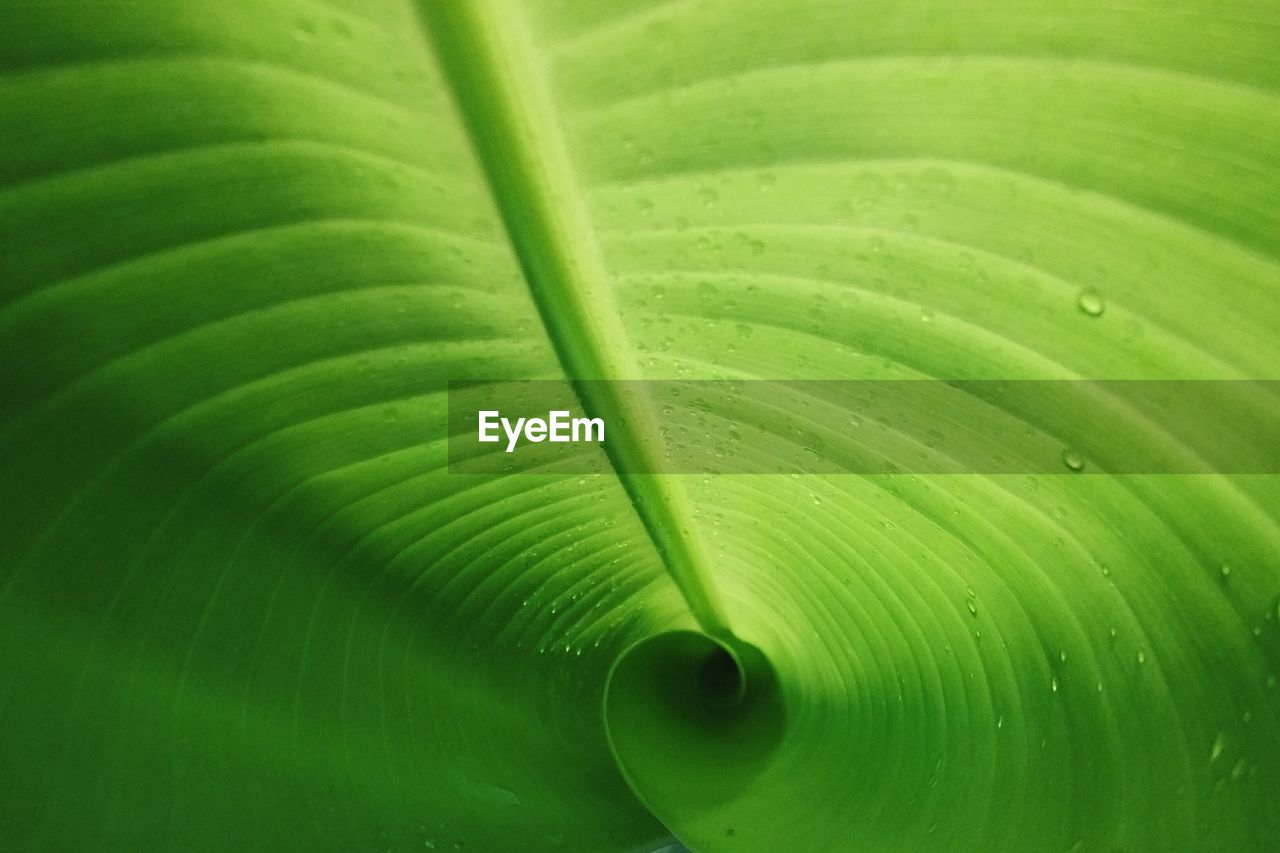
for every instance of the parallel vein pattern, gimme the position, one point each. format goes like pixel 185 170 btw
pixel 244 245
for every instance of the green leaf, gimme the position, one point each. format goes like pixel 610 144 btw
pixel 247 244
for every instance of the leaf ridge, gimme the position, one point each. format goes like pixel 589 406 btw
pixel 490 66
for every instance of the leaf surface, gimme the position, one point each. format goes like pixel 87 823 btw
pixel 247 244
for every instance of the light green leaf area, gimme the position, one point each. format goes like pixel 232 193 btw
pixel 244 245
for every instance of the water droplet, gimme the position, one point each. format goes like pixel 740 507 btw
pixel 1219 744
pixel 1142 657
pixel 1225 572
pixel 1053 684
pixel 1091 302
pixel 1106 570
pixel 1238 771
pixel 1062 655
pixel 1072 460
pixel 306 30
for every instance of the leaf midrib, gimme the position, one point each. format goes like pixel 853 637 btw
pixel 490 66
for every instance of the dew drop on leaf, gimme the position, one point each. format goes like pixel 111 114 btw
pixel 305 31
pixel 1072 460
pixel 1091 303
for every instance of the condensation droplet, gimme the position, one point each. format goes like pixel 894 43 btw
pixel 1072 460
pixel 1219 744
pixel 1225 572
pixel 305 31
pixel 1053 684
pixel 1091 303
pixel 1142 657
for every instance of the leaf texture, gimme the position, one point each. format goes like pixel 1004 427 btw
pixel 245 246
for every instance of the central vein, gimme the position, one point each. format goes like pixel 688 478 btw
pixel 490 63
